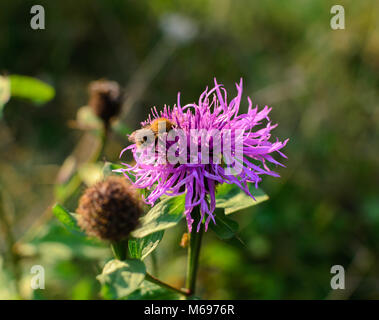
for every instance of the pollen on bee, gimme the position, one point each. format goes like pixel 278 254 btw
pixel 161 123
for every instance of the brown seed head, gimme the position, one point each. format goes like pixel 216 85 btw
pixel 110 209
pixel 105 99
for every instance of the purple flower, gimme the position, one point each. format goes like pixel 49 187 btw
pixel 242 143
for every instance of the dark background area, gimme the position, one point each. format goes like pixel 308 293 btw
pixel 321 83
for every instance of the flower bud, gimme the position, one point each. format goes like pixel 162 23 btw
pixel 109 210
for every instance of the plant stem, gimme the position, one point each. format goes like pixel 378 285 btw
pixel 74 185
pixel 120 249
pixel 103 135
pixel 154 262
pixel 194 252
pixel 160 283
pixel 9 238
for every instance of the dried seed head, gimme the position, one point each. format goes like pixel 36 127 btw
pixel 105 99
pixel 110 209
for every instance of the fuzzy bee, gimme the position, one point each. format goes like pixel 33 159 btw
pixel 151 131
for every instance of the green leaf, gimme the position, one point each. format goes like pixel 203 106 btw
pixel 140 248
pixel 30 88
pixel 121 278
pixel 225 228
pixel 165 214
pixel 151 291
pixel 231 198
pixel 68 219
pixel 56 243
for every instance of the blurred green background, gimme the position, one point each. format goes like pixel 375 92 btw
pixel 322 85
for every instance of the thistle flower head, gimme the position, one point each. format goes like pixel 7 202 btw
pixel 237 145
pixel 109 209
pixel 104 99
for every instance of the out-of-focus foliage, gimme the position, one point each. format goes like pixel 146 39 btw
pixel 321 83
pixel 24 87
pixel 121 278
pixel 5 92
pixel 233 199
pixel 30 88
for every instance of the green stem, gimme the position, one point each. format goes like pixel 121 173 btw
pixel 194 252
pixel 120 249
pixel 103 135
pixel 160 283
pixel 5 226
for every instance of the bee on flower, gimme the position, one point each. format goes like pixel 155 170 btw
pixel 202 145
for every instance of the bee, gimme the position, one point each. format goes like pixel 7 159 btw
pixel 151 131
